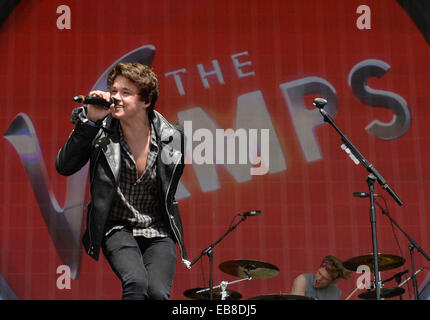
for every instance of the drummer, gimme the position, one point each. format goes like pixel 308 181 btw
pixel 322 284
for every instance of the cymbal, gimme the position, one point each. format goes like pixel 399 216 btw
pixel 216 294
pixel 280 296
pixel 252 268
pixel 385 293
pixel 385 262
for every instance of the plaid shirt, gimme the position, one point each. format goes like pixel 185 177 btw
pixel 137 203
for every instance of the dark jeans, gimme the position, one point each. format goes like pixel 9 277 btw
pixel 145 266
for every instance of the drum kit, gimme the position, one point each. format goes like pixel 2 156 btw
pixel 253 269
pixel 245 270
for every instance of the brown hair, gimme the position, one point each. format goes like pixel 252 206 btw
pixel 142 75
pixel 335 268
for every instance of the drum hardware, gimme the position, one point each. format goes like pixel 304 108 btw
pixel 385 262
pixel 390 261
pixel 244 269
pixel 218 293
pixel 412 246
pixel 223 286
pixel 249 268
pixel 385 293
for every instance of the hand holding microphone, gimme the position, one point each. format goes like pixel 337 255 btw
pixel 98 104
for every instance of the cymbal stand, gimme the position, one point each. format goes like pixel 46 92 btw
pixel 223 285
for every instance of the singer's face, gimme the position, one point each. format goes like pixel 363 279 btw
pixel 129 103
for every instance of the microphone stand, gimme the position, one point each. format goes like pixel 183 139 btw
pixel 412 245
pixel 208 251
pixel 373 176
pixel 370 181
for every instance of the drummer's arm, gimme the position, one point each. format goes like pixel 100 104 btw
pixel 299 286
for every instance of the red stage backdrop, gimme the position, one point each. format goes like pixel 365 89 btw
pixel 221 64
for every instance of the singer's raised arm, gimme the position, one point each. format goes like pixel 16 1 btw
pixel 77 150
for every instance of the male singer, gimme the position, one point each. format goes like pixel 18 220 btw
pixel 136 161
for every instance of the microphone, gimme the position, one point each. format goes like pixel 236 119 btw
pixel 320 103
pixel 363 194
pixel 397 276
pixel 250 213
pixel 95 100
pixel 410 277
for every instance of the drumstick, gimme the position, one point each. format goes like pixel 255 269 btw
pixel 352 293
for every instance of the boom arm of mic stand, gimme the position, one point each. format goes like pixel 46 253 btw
pixel 370 180
pixel 208 249
pixel 369 167
pixel 209 252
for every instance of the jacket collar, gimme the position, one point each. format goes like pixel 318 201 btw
pixel 163 129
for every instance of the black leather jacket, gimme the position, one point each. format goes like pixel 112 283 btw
pixel 100 144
